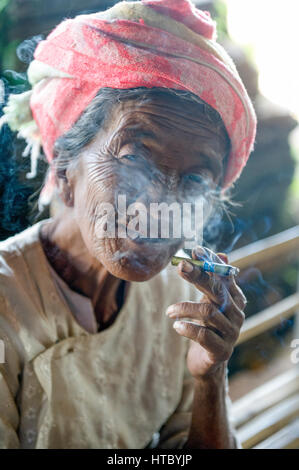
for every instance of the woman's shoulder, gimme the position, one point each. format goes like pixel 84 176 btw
pixel 18 243
pixel 15 245
pixel 16 249
pixel 21 266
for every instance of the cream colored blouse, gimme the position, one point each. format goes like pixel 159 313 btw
pixel 64 385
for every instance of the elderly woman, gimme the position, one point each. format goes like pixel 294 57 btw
pixel 138 100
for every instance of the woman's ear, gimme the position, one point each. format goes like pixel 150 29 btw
pixel 65 188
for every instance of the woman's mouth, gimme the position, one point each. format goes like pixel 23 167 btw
pixel 148 240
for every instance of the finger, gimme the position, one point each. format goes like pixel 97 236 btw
pixel 229 293
pixel 215 290
pixel 209 284
pixel 229 284
pixel 237 294
pixel 205 254
pixel 226 303
pixel 232 311
pixel 195 275
pixel 216 346
pixel 221 258
pixel 205 314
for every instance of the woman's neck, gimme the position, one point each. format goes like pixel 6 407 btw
pixel 66 252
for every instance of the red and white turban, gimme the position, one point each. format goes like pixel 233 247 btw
pixel 149 43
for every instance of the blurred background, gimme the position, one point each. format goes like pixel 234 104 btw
pixel 261 233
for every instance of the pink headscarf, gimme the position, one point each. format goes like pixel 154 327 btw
pixel 152 43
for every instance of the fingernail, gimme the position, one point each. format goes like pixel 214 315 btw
pixel 187 267
pixel 169 310
pixel 178 325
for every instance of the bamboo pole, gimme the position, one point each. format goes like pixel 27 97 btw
pixel 269 317
pixel 267 250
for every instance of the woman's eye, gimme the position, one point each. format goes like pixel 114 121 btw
pixel 130 157
pixel 204 177
pixel 194 178
pixel 195 183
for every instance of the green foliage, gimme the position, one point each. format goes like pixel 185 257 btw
pixel 290 275
pixel 3 4
pixel 221 18
pixel 16 79
pixel 8 58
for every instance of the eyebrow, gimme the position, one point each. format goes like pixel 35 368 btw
pixel 139 133
pixel 210 161
pixel 126 135
pixel 213 163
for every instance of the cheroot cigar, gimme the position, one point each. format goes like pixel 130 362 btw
pixel 208 266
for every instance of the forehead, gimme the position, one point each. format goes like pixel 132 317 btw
pixel 167 118
pixel 176 133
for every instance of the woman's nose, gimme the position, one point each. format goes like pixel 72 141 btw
pixel 163 187
pixel 172 180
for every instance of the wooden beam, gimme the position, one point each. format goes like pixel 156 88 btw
pixel 262 251
pixel 269 422
pixel 286 438
pixel 265 396
pixel 269 317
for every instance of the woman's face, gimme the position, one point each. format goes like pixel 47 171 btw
pixel 151 152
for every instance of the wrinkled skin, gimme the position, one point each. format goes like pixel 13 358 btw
pixel 160 132
pixel 98 176
pixel 178 141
